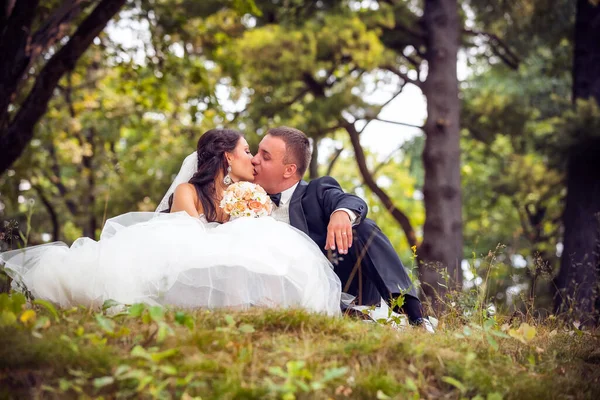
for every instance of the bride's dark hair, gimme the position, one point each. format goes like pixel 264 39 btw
pixel 211 150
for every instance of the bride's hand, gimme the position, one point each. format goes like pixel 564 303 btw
pixel 339 232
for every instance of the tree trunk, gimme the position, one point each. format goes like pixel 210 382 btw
pixel 89 229
pixel 442 232
pixel 51 212
pixel 577 281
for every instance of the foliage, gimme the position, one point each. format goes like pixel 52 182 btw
pixel 147 351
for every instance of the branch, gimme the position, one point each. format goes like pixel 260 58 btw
pixel 402 75
pixel 334 159
pixel 398 215
pixel 20 130
pixel 14 38
pixel 381 107
pixel 498 47
pixel 54 29
pixel 387 159
pixel 399 123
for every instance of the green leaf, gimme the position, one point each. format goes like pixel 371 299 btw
pixel 104 381
pixel 168 369
pixel 48 306
pixel 494 396
pixel 157 313
pixel 121 370
pixel 42 323
pixel 158 357
pixel 277 371
pixel 499 334
pixel 492 342
pixel 106 324
pixel 334 373
pixel 184 319
pixel 246 328
pixel 140 352
pixel 64 385
pixel 136 309
pixel 488 324
pixel 164 330
pixel 7 318
pixel 109 303
pixel 18 300
pixel 382 396
pixel 5 301
pixel 454 382
pixel 411 385
pixel 144 381
pixel 229 320
pixel 181 317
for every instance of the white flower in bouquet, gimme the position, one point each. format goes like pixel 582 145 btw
pixel 246 199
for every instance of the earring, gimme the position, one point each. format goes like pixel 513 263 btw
pixel 227 180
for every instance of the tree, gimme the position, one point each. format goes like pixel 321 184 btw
pixel 25 49
pixel 442 232
pixel 578 281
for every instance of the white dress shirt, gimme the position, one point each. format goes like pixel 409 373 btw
pixel 282 212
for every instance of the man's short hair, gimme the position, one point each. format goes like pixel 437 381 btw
pixel 297 147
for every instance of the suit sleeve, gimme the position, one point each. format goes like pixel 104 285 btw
pixel 332 197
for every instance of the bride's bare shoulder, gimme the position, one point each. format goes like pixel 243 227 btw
pixel 185 189
pixel 185 198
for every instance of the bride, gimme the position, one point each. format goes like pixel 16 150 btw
pixel 190 257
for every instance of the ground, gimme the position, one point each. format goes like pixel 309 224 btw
pixel 152 353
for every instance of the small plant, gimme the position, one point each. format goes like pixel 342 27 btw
pixel 297 378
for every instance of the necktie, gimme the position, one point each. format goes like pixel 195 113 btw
pixel 275 198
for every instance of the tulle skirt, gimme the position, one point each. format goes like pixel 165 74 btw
pixel 178 260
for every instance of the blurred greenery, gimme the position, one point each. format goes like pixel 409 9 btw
pixel 167 70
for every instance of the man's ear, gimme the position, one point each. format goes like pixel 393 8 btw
pixel 290 170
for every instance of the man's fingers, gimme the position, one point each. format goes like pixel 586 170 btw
pixel 342 237
pixel 340 241
pixel 330 243
pixel 345 240
pixel 350 237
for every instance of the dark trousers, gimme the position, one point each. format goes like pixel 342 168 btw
pixel 372 270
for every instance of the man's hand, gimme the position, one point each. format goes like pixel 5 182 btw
pixel 339 232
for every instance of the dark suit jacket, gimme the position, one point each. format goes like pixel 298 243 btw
pixel 310 209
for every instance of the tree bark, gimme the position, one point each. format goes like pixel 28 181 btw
pixel 442 231
pixel 89 229
pixel 578 278
pixel 14 37
pixel 20 130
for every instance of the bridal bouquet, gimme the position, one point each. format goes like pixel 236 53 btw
pixel 246 199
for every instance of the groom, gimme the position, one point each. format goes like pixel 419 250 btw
pixel 334 220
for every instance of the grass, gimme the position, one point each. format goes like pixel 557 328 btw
pixel 148 352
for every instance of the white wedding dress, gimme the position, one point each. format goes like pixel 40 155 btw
pixel 181 261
